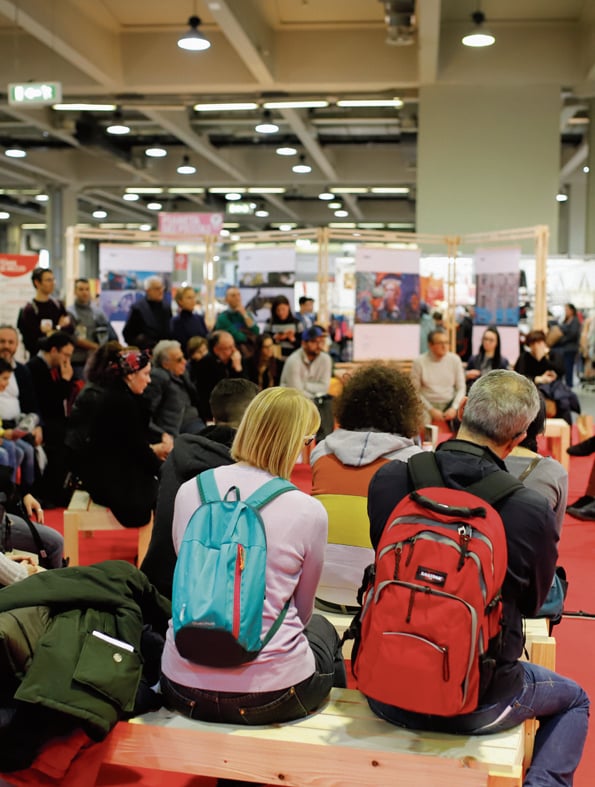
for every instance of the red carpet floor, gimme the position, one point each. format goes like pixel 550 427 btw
pixel 575 637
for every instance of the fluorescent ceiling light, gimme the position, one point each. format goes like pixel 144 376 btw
pixel 154 205
pixel 5 215
pixel 42 197
pixel 389 190
pixel 145 190
pixel 286 151
pixel 372 102
pixel 400 225
pixel 130 197
pixel 371 225
pixel 193 40
pixel 350 190
pixel 15 151
pixel 229 107
pixel 185 190
pixel 99 213
pixel 156 152
pixel 295 104
pixel 84 107
pixel 342 225
pixel 326 195
pixel 33 227
pixel 265 190
pixel 479 36
pixel 227 189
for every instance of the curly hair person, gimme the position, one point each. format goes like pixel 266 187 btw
pixel 379 397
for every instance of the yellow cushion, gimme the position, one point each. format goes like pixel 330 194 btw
pixel 348 521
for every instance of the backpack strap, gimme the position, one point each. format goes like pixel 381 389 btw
pixel 207 487
pixel 530 468
pixel 494 487
pixel 268 492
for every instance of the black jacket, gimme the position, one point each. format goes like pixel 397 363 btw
pixel 147 324
pixel 531 538
pixel 191 455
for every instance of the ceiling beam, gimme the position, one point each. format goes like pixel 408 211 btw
pixel 428 40
pixel 577 159
pixel 42 119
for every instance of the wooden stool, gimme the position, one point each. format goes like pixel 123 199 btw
pixel 84 515
pixel 558 431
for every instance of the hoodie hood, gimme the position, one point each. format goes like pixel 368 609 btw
pixel 362 448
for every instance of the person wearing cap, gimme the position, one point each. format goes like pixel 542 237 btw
pixel 309 370
pixel 306 316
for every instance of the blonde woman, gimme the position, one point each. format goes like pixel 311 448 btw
pixel 294 672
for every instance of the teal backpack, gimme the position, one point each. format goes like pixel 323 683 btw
pixel 219 581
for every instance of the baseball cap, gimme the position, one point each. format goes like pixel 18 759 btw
pixel 312 333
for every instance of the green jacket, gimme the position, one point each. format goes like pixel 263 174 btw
pixel 72 670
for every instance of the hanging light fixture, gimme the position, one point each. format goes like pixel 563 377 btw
pixel 480 35
pixel 266 126
pixel 156 151
pixel 15 151
pixel 99 213
pixel 302 168
pixel 193 40
pixel 186 168
pixel 117 126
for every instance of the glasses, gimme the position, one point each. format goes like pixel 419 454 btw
pixel 309 439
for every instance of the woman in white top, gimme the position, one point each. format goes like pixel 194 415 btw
pixel 294 672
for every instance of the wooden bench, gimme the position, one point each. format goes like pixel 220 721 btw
pixel 342 745
pixel 557 432
pixel 83 515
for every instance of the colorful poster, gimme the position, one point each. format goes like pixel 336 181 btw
pixel 15 284
pixel 497 286
pixel 387 297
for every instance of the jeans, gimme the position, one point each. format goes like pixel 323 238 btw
pixel 559 703
pixel 287 704
pixel 52 540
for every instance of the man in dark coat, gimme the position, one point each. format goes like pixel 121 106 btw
pixel 149 318
pixel 191 455
pixel 222 361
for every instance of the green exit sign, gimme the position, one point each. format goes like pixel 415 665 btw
pixel 34 93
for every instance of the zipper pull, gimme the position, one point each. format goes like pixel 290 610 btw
pixel 398 553
pixel 445 665
pixel 411 542
pixel 410 607
pixel 241 557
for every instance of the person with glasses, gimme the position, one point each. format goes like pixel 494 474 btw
pixel 150 317
pixel 439 379
pixel 294 672
pixel 172 397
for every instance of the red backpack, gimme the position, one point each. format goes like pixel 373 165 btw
pixel 434 603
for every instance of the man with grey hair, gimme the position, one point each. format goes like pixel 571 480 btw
pixel 172 397
pixel 149 318
pixel 494 419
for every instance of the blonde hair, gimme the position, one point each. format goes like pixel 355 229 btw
pixel 271 433
pixel 181 291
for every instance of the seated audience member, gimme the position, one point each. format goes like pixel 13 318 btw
pixel 546 371
pixel 238 321
pixel 283 327
pixel 19 397
pixel 190 456
pixel 263 368
pixel 13 568
pixel 149 318
pixel 541 473
pixel 294 672
pixel 495 418
pixel 439 379
pixel 122 463
pixel 489 356
pixel 196 348
pixel 20 508
pixel 54 386
pixel 172 397
pixel 18 444
pixel 187 323
pixel 309 370
pixel 222 361
pixel 584 507
pixel 379 414
pixel 44 314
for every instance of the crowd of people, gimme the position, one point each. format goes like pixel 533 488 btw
pixel 136 424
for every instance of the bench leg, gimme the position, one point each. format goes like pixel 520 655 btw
pixel 71 537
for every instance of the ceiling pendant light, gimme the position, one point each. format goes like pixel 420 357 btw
pixel 99 213
pixel 15 151
pixel 186 168
pixel 286 150
pixel 326 195
pixel 193 40
pixel 479 36
pixel 266 126
pixel 302 168
pixel 156 152
pixel 117 126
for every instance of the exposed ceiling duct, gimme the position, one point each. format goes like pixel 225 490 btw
pixel 399 16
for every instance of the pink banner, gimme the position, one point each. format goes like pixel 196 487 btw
pixel 190 224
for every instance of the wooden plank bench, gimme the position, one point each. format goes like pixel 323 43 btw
pixel 83 515
pixel 343 744
pixel 557 432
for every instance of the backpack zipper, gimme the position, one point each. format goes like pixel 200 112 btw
pixel 237 607
pixel 440 648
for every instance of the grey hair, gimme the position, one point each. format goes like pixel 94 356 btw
pixel 162 349
pixel 152 280
pixel 501 405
